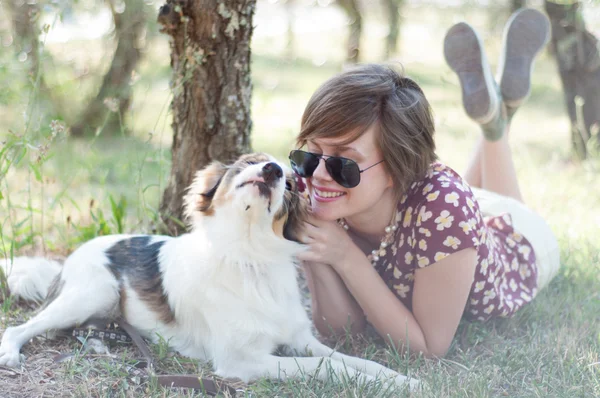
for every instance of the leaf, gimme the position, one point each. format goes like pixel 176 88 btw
pixel 36 171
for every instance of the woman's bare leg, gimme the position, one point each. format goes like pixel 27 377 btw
pixel 492 167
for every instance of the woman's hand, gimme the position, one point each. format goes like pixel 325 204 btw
pixel 327 243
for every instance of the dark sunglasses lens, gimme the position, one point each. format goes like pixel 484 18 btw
pixel 344 171
pixel 303 163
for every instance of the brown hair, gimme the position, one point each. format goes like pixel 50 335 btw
pixel 351 102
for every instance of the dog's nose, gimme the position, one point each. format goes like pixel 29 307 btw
pixel 271 172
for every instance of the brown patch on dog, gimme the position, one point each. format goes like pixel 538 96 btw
pixel 293 213
pixel 122 301
pixel 200 194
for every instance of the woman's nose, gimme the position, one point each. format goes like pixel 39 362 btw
pixel 321 172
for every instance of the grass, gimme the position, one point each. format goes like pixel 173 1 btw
pixel 56 193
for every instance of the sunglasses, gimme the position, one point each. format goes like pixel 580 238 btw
pixel 343 171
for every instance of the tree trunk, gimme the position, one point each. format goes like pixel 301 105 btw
pixel 107 110
pixel 393 8
pixel 576 51
pixel 26 41
pixel 210 57
pixel 355 24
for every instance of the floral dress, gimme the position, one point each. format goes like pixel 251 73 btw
pixel 439 216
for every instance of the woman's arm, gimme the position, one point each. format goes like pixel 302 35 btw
pixel 439 294
pixel 333 307
pixel 439 298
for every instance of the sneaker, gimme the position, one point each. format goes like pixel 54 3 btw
pixel 526 33
pixel 464 54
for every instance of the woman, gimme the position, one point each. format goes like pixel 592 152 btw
pixel 399 240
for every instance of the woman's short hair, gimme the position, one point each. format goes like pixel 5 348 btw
pixel 372 94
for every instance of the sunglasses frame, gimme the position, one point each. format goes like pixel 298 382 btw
pixel 328 166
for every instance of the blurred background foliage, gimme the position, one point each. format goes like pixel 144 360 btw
pixel 85 97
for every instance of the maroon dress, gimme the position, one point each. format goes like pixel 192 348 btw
pixel 438 216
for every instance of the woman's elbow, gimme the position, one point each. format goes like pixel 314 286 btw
pixel 433 351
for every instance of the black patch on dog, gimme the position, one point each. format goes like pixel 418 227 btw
pixel 138 259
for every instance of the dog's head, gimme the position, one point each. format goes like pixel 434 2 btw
pixel 257 188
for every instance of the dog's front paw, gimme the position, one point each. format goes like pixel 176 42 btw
pixel 10 358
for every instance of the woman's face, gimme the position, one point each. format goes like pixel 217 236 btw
pixel 329 199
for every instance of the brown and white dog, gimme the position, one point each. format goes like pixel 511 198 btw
pixel 226 292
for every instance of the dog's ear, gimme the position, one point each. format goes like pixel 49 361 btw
pixel 199 198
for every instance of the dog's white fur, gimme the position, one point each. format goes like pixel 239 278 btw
pixel 230 284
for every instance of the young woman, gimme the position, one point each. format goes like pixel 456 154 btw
pixel 399 240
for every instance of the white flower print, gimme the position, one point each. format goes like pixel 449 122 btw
pixel 525 251
pixel 407 217
pixel 514 265
pixel 488 295
pixel 470 203
pixel 513 285
pixel 466 227
pixel 525 296
pixel 408 258
pixel 423 244
pixel 424 215
pixel 433 196
pixel 489 309
pixel 524 271
pixel 524 287
pixel 401 289
pixel 517 237
pixel 474 302
pixel 410 276
pixel 483 267
pixel 425 232
pixel 452 242
pixel 459 185
pixel 479 286
pixel 422 260
pixel 444 220
pixel 397 273
pixel 428 188
pixel 440 256
pixel 452 198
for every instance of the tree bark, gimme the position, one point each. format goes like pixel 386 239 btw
pixel 116 87
pixel 577 54
pixel 26 40
pixel 393 10
pixel 210 58
pixel 355 24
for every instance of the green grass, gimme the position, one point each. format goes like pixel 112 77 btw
pixel 550 348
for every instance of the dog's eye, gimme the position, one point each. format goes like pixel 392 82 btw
pixel 288 185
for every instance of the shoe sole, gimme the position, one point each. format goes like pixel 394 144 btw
pixel 465 56
pixel 525 35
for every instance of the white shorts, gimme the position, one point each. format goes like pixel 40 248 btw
pixel 530 225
